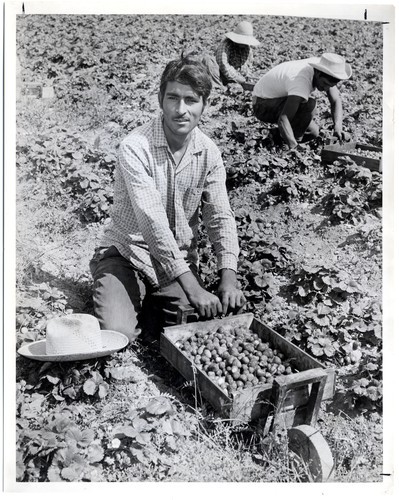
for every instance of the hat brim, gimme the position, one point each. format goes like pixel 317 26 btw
pixel 243 39
pixel 339 76
pixel 112 342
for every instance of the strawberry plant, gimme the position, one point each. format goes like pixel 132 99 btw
pixel 64 382
pixel 256 243
pixel 274 254
pixel 311 331
pixel 58 450
pixel 323 284
pixel 321 346
pixel 284 190
pixel 243 171
pixel 358 191
pixel 259 285
pixel 150 437
pixel 73 170
pixel 92 188
pixel 361 383
pixel 351 340
pixel 344 204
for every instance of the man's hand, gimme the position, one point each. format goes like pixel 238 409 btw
pixel 299 148
pixel 341 135
pixel 231 297
pixel 247 86
pixel 205 303
pixel 234 87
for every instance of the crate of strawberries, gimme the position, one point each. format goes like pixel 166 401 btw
pixel 234 361
pixel 362 154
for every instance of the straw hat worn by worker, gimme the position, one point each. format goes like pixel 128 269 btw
pixel 233 57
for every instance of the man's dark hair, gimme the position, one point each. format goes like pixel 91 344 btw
pixel 329 77
pixel 187 71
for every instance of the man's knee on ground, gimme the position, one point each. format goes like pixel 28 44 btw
pixel 126 324
pixel 116 303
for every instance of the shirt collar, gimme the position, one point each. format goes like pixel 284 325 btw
pixel 196 144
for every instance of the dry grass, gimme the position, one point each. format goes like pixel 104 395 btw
pixel 356 445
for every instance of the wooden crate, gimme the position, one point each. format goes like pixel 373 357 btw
pixel 332 152
pixel 254 402
pixel 33 89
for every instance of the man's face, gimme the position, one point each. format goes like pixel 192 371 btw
pixel 323 82
pixel 182 109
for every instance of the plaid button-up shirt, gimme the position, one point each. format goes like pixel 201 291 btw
pixel 155 214
pixel 233 60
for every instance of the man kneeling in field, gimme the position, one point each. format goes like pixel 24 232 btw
pixel 283 96
pixel 168 170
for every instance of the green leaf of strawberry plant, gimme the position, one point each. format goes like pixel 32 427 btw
pixel 103 390
pixel 167 427
pixel 171 443
pixel 302 292
pixel 74 434
pixel 373 393
pixel 178 429
pixel 126 431
pixel 53 380
pixel 128 373
pixel 371 367
pixel 139 455
pixel 73 472
pixel 329 351
pixel 70 392
pixel 140 424
pixel 56 395
pixel 317 350
pixel 61 423
pixel 159 406
pixel 87 437
pixel 95 453
pixel 263 280
pixel 54 474
pixel 321 320
pixel 143 438
pixel 323 310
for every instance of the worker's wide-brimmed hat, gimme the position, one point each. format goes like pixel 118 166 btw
pixel 74 337
pixel 333 65
pixel 244 34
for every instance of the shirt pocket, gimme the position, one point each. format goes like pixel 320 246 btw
pixel 192 200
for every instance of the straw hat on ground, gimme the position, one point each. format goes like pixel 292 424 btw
pixel 243 34
pixel 74 337
pixel 333 65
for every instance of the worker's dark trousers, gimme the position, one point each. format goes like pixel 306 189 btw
pixel 126 303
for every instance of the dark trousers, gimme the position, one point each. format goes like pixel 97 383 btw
pixel 125 302
pixel 269 111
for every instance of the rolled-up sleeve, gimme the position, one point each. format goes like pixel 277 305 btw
pixel 150 212
pixel 219 219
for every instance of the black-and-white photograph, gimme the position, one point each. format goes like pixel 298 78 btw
pixel 199 251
